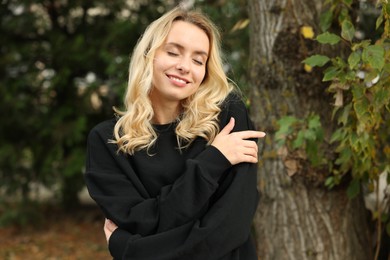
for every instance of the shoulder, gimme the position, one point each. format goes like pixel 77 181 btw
pixel 104 130
pixel 234 106
pixel 234 98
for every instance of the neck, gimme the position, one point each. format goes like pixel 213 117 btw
pixel 165 113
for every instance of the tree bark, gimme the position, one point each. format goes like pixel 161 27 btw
pixel 297 217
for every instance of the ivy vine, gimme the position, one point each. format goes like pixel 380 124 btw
pixel 360 83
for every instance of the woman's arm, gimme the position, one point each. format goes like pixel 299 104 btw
pixel 116 188
pixel 223 229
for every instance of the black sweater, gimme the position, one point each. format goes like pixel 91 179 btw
pixel 189 204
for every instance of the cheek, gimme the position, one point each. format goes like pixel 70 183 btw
pixel 157 65
pixel 159 69
pixel 160 62
pixel 201 75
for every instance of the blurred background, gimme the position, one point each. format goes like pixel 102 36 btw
pixel 63 66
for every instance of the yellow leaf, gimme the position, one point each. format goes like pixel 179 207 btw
pixel 307 68
pixel 307 32
pixel 240 25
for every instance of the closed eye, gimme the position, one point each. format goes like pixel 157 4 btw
pixel 198 62
pixel 174 54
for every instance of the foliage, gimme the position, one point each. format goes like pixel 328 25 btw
pixel 63 66
pixel 302 133
pixel 360 83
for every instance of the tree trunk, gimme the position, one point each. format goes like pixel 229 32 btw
pixel 297 217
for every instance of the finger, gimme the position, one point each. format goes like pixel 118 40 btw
pixel 250 144
pixel 250 152
pixel 110 225
pixel 250 134
pixel 229 127
pixel 250 158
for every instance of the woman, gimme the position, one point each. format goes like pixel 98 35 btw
pixel 175 174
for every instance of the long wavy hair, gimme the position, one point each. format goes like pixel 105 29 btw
pixel 133 130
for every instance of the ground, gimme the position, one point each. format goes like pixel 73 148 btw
pixel 63 235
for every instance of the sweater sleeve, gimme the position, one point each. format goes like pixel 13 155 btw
pixel 114 185
pixel 221 230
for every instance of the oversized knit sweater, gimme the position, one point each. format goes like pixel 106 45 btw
pixel 174 204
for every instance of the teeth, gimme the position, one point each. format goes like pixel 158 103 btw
pixel 178 80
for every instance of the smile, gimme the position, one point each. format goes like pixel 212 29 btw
pixel 182 81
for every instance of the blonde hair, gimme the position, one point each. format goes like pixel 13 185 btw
pixel 133 130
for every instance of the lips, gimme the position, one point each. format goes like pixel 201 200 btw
pixel 178 80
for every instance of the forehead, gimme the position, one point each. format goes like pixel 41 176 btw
pixel 189 36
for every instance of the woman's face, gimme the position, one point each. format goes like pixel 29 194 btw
pixel 180 63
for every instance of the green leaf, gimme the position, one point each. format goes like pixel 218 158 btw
pixel 285 127
pixel 310 135
pixel 326 20
pixel 343 118
pixel 353 59
pixel 354 141
pixel 347 30
pixel 287 121
pixel 329 182
pixel 330 73
pixel 381 98
pixel 353 188
pixel 314 122
pixel 340 62
pixel 358 91
pixel 316 60
pixel 363 44
pixel 328 38
pixel 349 76
pixel 337 135
pixel 374 55
pixel 298 142
pixel 379 21
pixel 361 107
pixel 371 76
pixel 344 157
pixel 343 14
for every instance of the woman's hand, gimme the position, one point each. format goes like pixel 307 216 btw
pixel 235 146
pixel 109 227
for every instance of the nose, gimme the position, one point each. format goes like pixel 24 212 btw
pixel 183 65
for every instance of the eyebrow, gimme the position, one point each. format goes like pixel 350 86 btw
pixel 179 46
